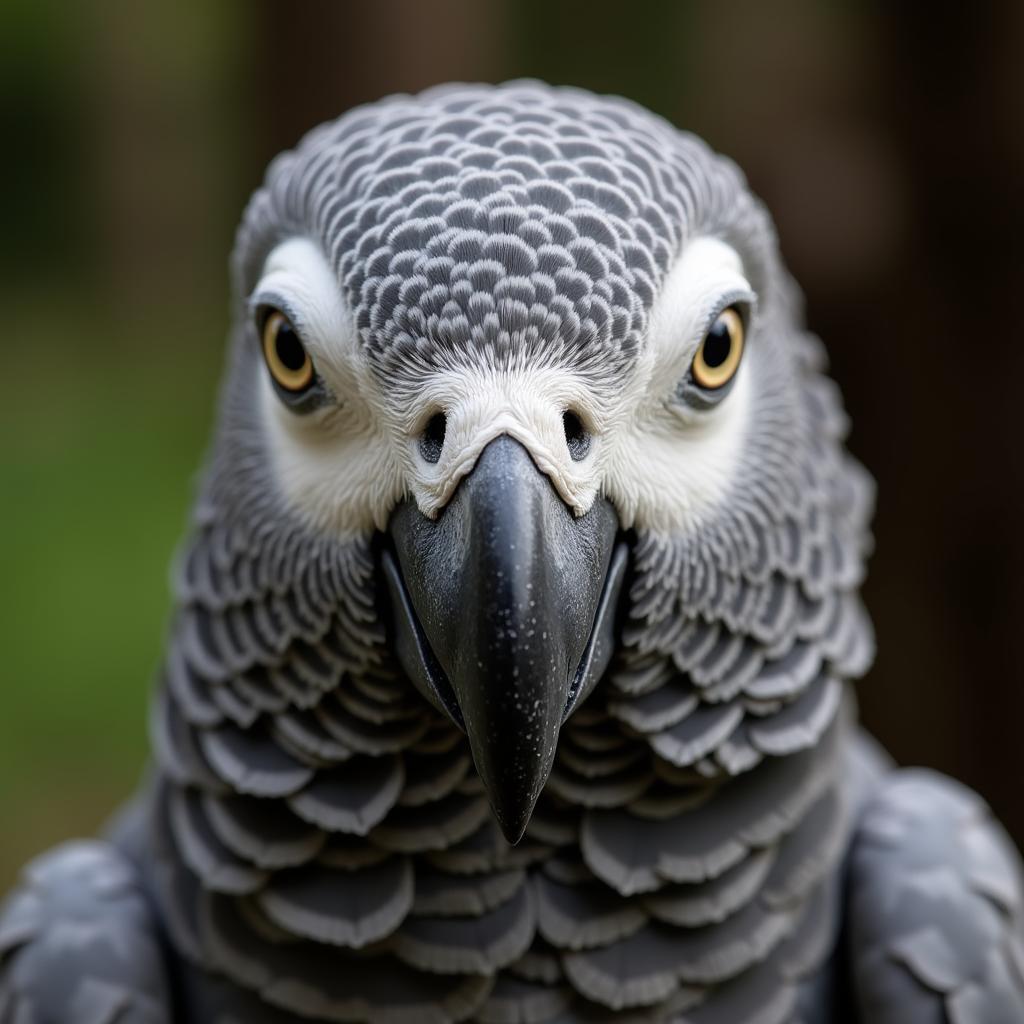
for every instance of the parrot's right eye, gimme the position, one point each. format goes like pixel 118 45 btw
pixel 286 357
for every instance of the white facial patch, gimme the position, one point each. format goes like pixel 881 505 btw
pixel 663 465
pixel 336 465
pixel 667 466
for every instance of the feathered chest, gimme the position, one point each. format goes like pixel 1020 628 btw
pixel 324 842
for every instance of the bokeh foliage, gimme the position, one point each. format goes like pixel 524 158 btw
pixel 119 154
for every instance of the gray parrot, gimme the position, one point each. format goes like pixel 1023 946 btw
pixel 509 673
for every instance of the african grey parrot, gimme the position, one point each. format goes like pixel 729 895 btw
pixel 509 673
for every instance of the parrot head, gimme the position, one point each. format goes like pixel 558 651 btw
pixel 535 354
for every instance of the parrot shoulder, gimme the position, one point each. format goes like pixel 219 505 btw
pixel 79 943
pixel 936 907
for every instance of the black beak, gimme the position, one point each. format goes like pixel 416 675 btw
pixel 503 616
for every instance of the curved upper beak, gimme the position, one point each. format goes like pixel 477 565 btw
pixel 503 613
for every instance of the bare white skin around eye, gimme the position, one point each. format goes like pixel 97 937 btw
pixel 345 466
pixel 670 466
pixel 335 465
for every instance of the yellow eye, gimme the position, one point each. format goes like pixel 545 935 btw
pixel 286 356
pixel 720 352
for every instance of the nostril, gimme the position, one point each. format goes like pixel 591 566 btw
pixel 577 438
pixel 432 438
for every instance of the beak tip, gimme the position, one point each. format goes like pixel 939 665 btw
pixel 513 822
pixel 512 799
pixel 513 833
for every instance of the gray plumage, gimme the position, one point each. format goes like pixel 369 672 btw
pixel 716 843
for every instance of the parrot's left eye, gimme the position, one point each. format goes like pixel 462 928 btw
pixel 714 366
pixel 719 354
pixel 286 357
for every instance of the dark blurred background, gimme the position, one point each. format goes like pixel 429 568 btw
pixel 887 139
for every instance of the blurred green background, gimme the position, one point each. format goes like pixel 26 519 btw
pixel 885 138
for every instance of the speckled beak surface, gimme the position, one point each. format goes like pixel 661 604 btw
pixel 503 609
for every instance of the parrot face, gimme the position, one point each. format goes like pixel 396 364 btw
pixel 512 347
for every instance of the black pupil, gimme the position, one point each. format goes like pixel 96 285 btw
pixel 717 344
pixel 289 348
